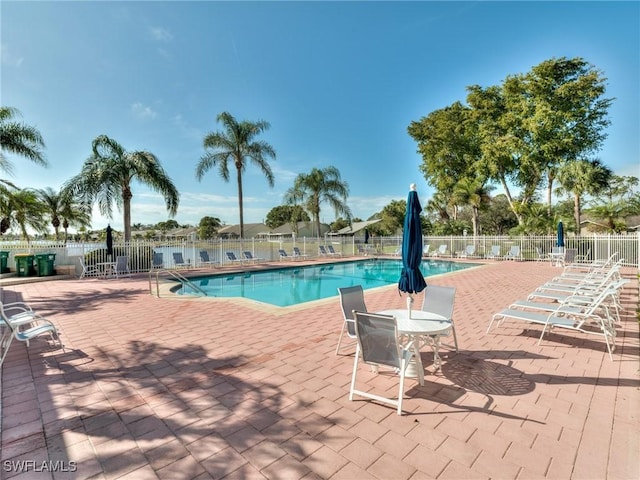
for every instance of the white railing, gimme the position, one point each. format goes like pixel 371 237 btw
pixel 140 252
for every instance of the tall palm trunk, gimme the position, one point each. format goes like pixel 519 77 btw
pixel 240 202
pixel 576 212
pixel 126 206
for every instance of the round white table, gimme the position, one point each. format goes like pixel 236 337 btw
pixel 108 268
pixel 422 327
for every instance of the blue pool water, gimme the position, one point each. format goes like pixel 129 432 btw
pixel 292 285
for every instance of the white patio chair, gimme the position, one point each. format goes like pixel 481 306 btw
pixel 469 251
pixel 441 251
pixel 121 267
pixel 88 270
pixel 542 257
pixel 351 298
pixel 378 345
pixel 439 300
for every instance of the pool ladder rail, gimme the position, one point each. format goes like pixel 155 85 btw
pixel 175 274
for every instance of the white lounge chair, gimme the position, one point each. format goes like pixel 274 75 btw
pixel 232 258
pixel 121 267
pixel 178 261
pixel 494 252
pixel 441 251
pixel 378 345
pixel 542 257
pixel 513 253
pixel 19 321
pixel 205 260
pixel 469 251
pixel 248 256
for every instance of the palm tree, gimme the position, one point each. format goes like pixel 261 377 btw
pixel 22 209
pixel 74 213
pixel 475 193
pixel 107 174
pixel 19 139
pixel 317 187
pixel 52 201
pixel 580 178
pixel 237 144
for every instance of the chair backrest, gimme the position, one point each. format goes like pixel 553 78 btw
pixel 557 250
pixel 296 251
pixel 157 259
pixel 515 250
pixel 204 256
pixel 570 255
pixel 248 255
pixel 231 256
pixel 442 248
pixel 425 249
pixel 282 253
pixel 351 298
pixel 439 300
pixel 378 339
pixel 122 263
pixel 471 249
pixel 331 250
pixel 323 250
pixel 177 257
pixel 495 249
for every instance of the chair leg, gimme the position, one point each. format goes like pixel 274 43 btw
pixel 344 326
pixel 403 368
pixel 355 372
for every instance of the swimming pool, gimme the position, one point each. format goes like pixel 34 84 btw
pixel 284 287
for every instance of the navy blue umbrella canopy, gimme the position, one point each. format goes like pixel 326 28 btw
pixel 560 234
pixel 109 240
pixel 411 278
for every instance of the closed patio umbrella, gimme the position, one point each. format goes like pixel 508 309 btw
pixel 560 242
pixel 411 278
pixel 109 241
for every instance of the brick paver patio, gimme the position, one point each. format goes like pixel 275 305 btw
pixel 175 388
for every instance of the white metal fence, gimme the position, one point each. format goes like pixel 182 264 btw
pixel 140 253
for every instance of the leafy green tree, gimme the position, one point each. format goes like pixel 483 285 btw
pixel 339 224
pixel 439 205
pixel 236 144
pixel 73 213
pixel 283 214
pixel 208 227
pixel 580 178
pixel 392 218
pixel 167 225
pixel 107 175
pixel 498 218
pixel 313 189
pixel 616 201
pixel 19 139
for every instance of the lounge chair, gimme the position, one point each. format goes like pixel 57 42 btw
pixel 88 270
pixel 333 252
pixel 425 250
pixel 513 253
pixel 440 252
pixel 284 256
pixel 206 260
pixel 378 345
pixel 593 319
pixel 298 254
pixel 178 261
pixel 351 298
pixel 232 258
pixel 19 321
pixel 469 251
pixel 157 261
pixel 323 251
pixel 494 252
pixel 248 256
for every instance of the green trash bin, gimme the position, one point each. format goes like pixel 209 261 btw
pixel 24 265
pixel 4 258
pixel 45 263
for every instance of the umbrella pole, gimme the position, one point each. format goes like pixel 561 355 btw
pixel 409 304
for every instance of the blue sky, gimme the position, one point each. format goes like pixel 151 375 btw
pixel 338 81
